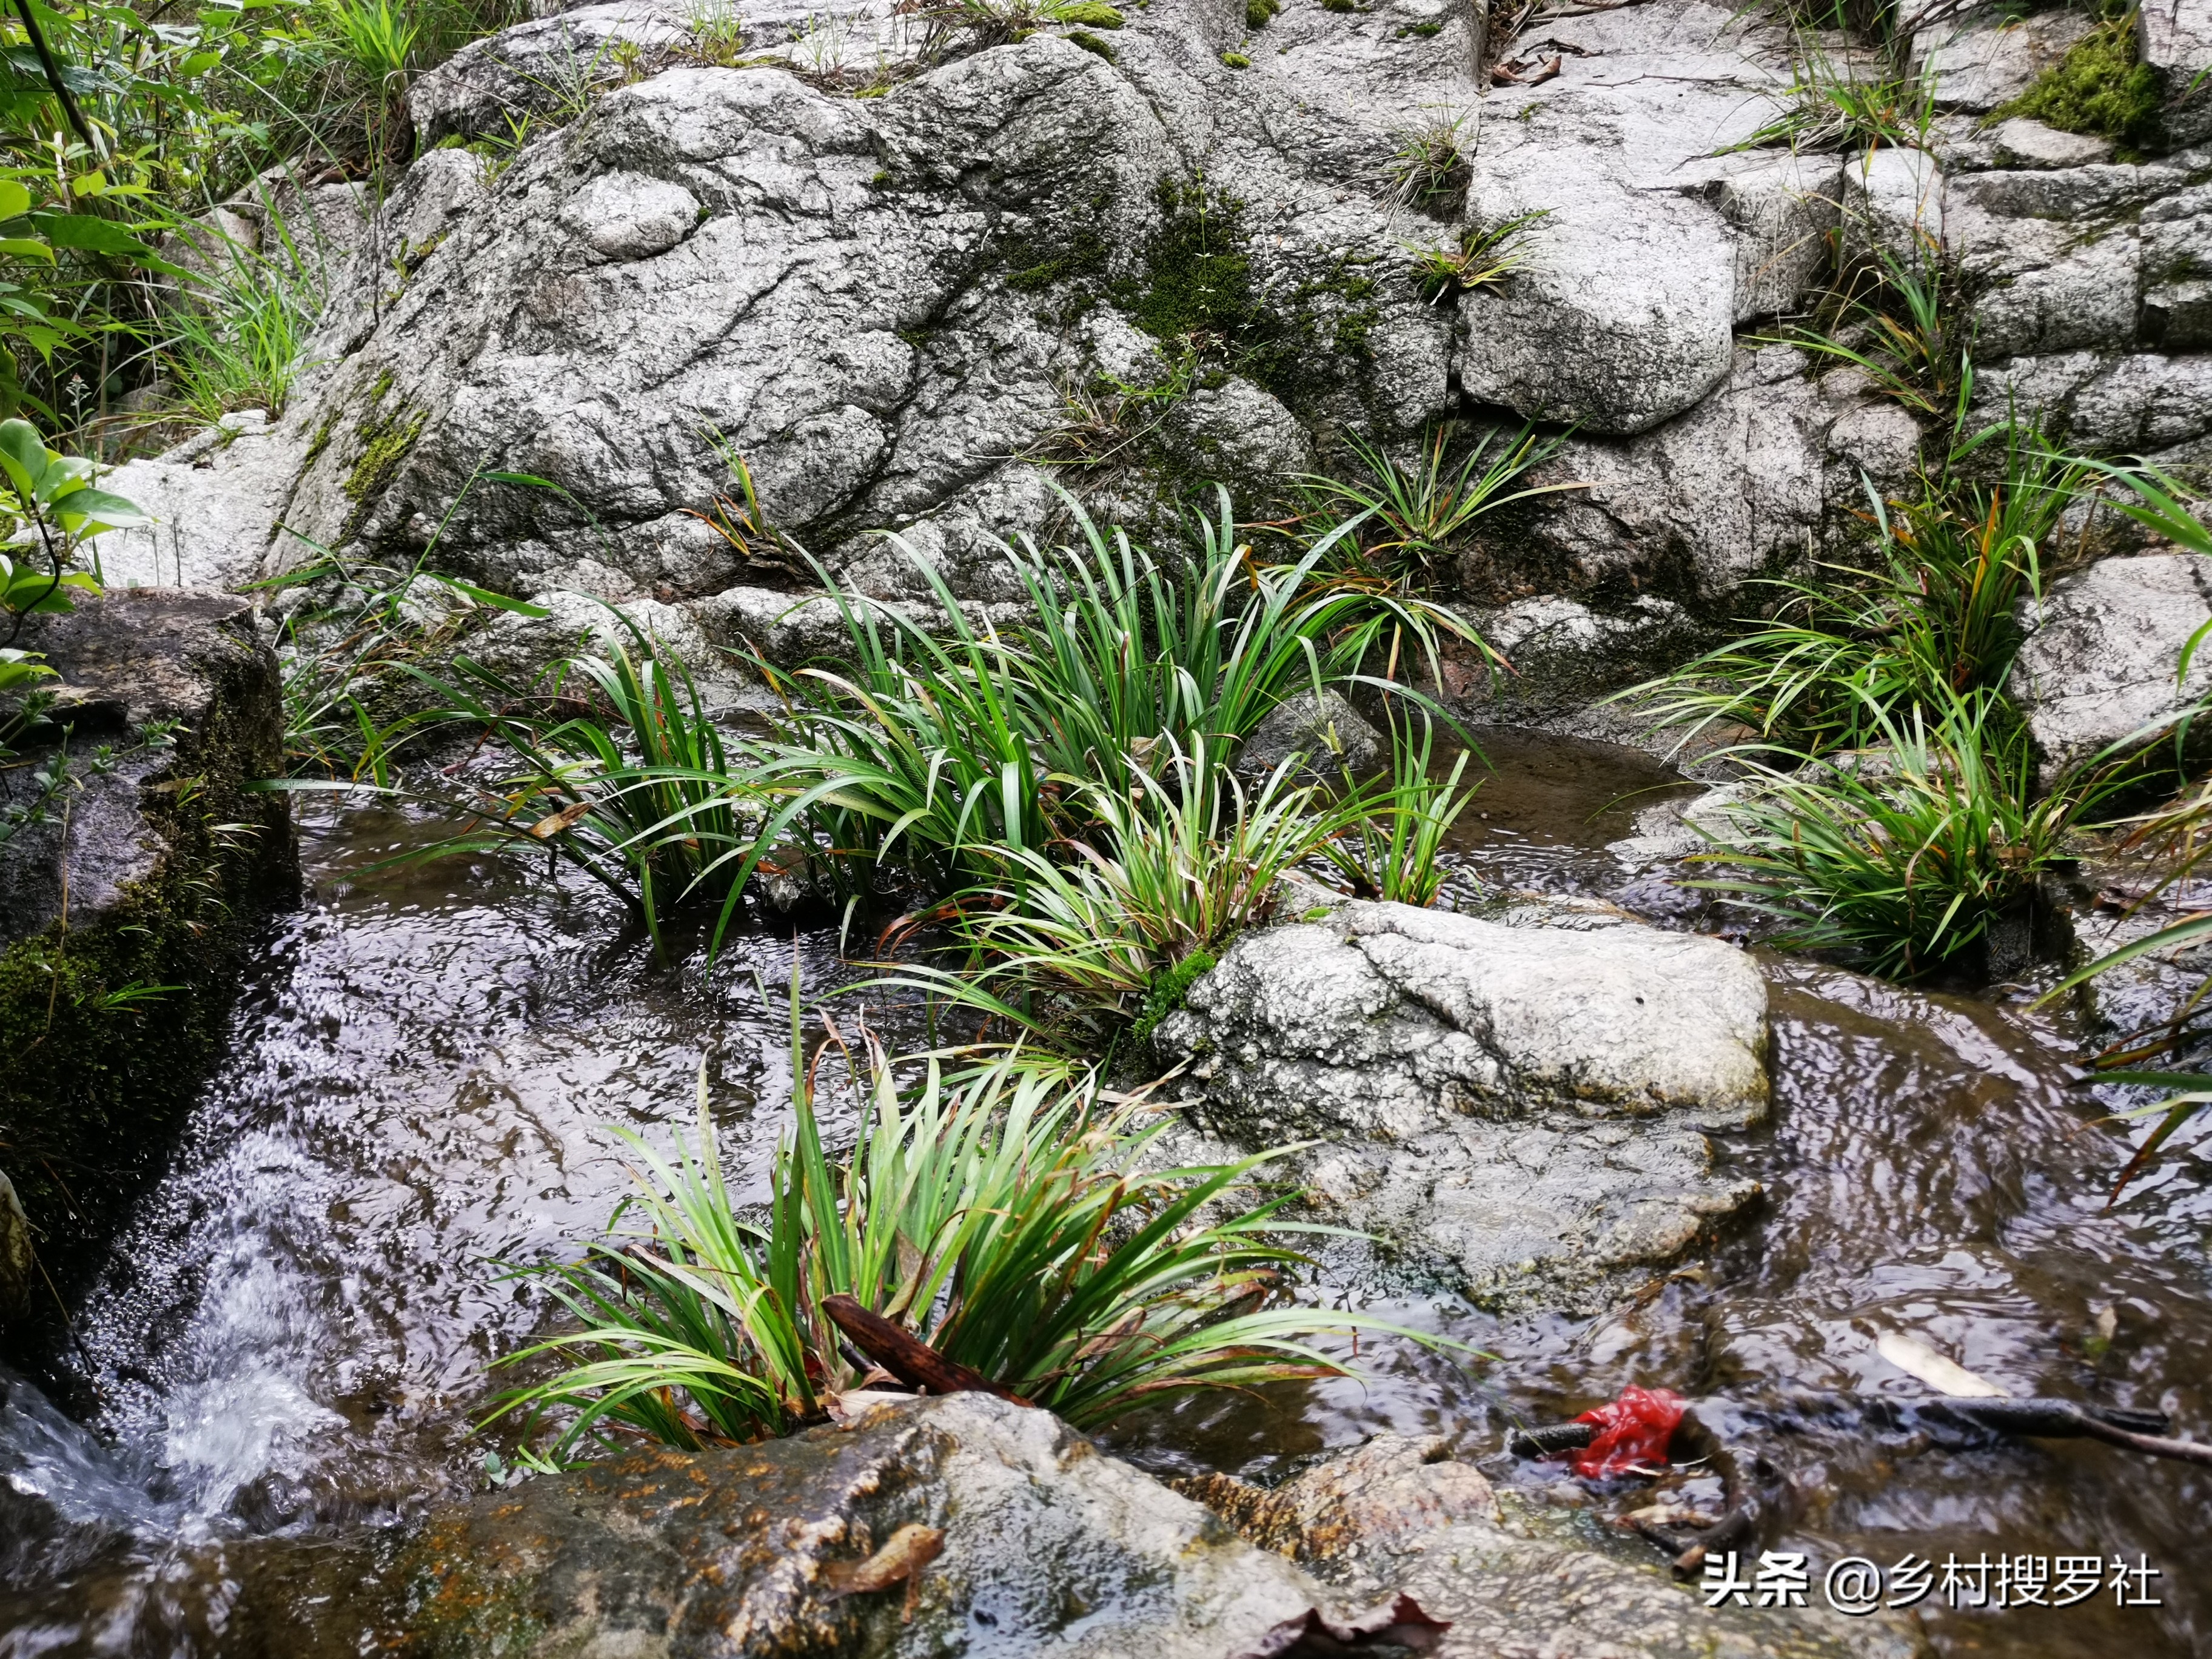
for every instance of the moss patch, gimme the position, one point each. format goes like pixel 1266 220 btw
pixel 1169 988
pixel 2098 87
pixel 1092 43
pixel 385 435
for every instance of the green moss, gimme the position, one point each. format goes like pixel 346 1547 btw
pixel 2100 88
pixel 385 435
pixel 1091 42
pixel 1169 988
pixel 1198 277
pixel 321 440
pixel 1258 13
pixel 1341 5
pixel 1236 60
pixel 1093 13
pixel 1427 31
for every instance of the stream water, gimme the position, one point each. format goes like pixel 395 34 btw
pixel 290 1342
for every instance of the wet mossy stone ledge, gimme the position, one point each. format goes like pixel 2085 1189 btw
pixel 127 906
pixel 1037 1545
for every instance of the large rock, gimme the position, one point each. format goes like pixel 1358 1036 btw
pixel 1046 1548
pixel 2102 656
pixel 126 905
pixel 887 304
pixel 881 304
pixel 215 501
pixel 1737 486
pixel 1522 1099
pixel 1621 313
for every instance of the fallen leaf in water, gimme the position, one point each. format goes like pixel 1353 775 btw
pixel 1310 1636
pixel 554 824
pixel 1667 1515
pixel 1916 1358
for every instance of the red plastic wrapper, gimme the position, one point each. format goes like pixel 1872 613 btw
pixel 1633 1431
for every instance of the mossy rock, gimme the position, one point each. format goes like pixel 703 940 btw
pixel 126 919
pixel 2098 87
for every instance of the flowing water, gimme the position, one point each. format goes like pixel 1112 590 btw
pixel 290 1341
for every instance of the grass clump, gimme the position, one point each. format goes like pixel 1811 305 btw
pixel 1000 1214
pixel 2098 87
pixel 1480 259
pixel 1177 867
pixel 1388 851
pixel 936 753
pixel 1935 616
pixel 1428 171
pixel 1845 105
pixel 1416 517
pixel 1906 856
pixel 615 766
pixel 1906 323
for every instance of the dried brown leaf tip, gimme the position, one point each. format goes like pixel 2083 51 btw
pixel 900 1560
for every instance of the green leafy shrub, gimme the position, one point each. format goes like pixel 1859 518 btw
pixel 1001 1214
pixel 2098 87
pixel 48 501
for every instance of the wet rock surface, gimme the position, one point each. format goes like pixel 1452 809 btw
pixel 1400 1511
pixel 1048 1546
pixel 134 881
pixel 1522 1097
pixel 1037 1543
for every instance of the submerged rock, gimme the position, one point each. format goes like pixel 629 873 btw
pixel 1327 730
pixel 128 890
pixel 2101 659
pixel 1523 1098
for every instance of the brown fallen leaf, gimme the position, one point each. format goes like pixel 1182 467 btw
pixel 553 823
pixel 1535 75
pixel 904 1554
pixel 1311 1636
